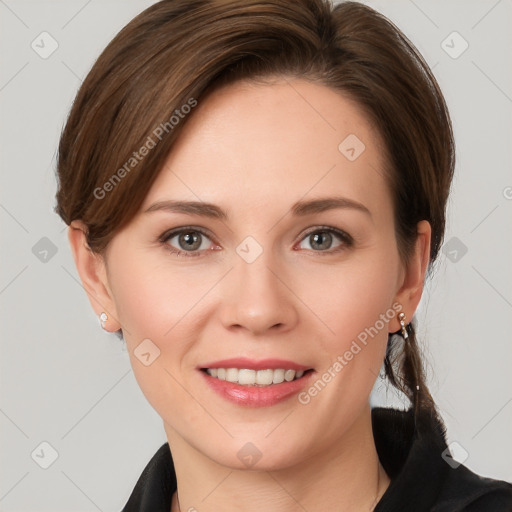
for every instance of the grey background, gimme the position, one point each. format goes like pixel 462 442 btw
pixel 67 383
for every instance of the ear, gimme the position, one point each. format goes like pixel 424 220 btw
pixel 92 269
pixel 411 289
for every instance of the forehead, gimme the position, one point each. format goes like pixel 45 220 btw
pixel 247 145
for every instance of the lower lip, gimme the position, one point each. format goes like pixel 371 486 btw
pixel 257 396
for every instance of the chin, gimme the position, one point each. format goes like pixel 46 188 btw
pixel 256 456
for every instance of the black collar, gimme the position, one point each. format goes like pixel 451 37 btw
pixel 413 453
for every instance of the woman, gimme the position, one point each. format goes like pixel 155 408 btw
pixel 255 192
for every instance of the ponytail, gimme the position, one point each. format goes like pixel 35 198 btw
pixel 404 370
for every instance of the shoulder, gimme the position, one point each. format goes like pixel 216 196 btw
pixel 464 490
pixel 156 484
pixel 424 476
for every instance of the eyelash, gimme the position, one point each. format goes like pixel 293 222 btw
pixel 345 238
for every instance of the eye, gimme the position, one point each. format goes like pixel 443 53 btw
pixel 186 241
pixel 322 239
pixel 191 241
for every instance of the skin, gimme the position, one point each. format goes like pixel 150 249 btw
pixel 255 150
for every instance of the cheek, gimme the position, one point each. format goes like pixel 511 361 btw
pixel 356 303
pixel 162 304
pixel 350 297
pixel 168 305
pixel 153 301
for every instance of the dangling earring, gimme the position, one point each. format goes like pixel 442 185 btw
pixel 405 334
pixel 103 319
pixel 403 325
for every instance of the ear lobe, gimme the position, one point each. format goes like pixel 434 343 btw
pixel 92 271
pixel 410 292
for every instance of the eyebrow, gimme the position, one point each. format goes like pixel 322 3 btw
pixel 299 209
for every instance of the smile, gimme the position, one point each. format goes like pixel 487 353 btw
pixel 248 377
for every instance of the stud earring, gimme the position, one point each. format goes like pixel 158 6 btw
pixel 103 319
pixel 403 325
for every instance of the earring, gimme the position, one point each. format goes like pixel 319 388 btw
pixel 103 319
pixel 403 325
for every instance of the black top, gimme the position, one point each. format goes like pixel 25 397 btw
pixel 423 475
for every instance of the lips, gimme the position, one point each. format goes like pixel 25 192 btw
pixel 251 383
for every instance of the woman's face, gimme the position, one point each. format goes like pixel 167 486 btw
pixel 279 274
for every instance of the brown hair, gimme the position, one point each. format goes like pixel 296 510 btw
pixel 171 55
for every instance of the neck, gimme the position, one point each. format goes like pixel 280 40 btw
pixel 346 477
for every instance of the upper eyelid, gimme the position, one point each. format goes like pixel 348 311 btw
pixel 336 231
pixel 170 233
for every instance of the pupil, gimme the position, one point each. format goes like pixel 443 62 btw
pixel 190 241
pixel 320 239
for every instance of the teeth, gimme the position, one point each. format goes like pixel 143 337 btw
pixel 247 377
pixel 278 376
pixel 264 377
pixel 232 374
pixel 289 375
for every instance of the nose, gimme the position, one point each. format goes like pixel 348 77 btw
pixel 257 297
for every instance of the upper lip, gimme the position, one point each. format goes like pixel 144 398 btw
pixel 252 364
